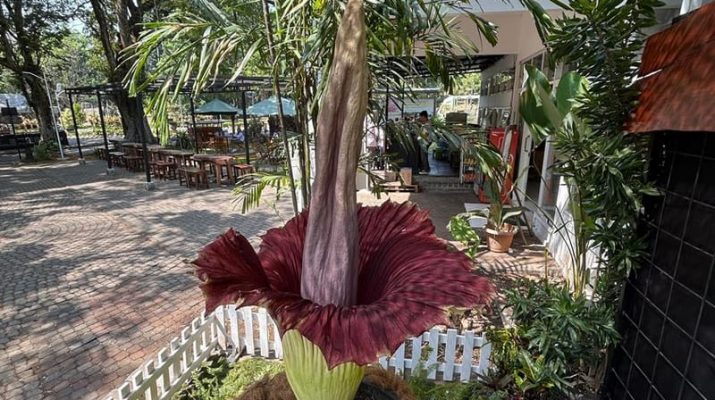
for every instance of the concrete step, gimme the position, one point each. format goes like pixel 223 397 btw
pixel 442 184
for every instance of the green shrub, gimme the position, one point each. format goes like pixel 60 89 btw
pixel 44 151
pixel 462 232
pixel 66 116
pixel 558 344
pixel 217 380
pixel 244 373
pixel 425 389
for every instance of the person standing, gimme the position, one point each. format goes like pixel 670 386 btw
pixel 424 142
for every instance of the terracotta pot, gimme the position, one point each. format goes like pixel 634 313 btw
pixel 500 241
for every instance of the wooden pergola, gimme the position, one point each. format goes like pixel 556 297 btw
pixel 241 84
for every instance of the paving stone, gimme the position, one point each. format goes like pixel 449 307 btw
pixel 94 269
pixel 94 278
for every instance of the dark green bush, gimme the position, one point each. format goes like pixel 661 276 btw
pixel 558 344
pixel 44 151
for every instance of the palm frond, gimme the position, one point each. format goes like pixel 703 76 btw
pixel 250 188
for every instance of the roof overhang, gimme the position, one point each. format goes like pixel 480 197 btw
pixel 218 85
pixel 677 77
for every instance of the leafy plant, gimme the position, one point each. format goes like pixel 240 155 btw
pixel 463 232
pixel 539 378
pixel 206 380
pixel 66 116
pixel 558 343
pixel 44 150
pixel 216 379
pixel 500 217
pixel 250 188
pixel 425 389
pixel 604 168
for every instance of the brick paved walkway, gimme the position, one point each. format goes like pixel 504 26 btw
pixel 94 276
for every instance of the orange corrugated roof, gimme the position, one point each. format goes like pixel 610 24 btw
pixel 678 70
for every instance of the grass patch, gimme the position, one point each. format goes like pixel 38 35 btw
pixel 217 380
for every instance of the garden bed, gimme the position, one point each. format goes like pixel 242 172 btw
pixel 231 333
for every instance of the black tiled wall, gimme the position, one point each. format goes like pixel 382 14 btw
pixel 668 315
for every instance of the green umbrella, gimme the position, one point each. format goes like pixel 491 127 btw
pixel 217 107
pixel 269 106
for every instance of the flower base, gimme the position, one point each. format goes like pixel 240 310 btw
pixel 378 384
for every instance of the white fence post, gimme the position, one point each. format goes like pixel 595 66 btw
pixel 248 327
pixel 160 377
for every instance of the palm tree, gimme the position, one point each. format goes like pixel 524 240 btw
pixel 197 43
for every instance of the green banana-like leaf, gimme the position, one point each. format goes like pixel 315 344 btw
pixel 532 100
pixel 308 373
pixel 572 87
pixel 546 111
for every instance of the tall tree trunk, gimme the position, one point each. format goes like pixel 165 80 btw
pixel 40 104
pixel 129 16
pixel 130 113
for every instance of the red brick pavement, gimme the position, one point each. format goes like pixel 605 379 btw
pixel 94 275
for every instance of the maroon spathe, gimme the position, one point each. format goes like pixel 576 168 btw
pixel 407 276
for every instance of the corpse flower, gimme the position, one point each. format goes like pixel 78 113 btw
pixel 345 283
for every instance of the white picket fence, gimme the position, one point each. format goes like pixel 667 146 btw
pixel 442 355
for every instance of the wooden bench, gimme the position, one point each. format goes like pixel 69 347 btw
pixel 241 169
pixel 164 169
pixel 194 177
pixel 134 163
pixel 117 158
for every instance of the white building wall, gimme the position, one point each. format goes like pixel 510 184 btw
pixel 519 41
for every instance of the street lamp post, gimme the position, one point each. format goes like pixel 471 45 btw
pixel 54 119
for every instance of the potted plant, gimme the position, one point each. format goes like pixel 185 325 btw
pixel 502 219
pixel 501 225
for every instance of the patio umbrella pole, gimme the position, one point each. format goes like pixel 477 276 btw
pixel 245 127
pixel 193 123
pixel 149 185
pixel 76 132
pixel 277 90
pixel 233 131
pixel 104 133
pixel 14 133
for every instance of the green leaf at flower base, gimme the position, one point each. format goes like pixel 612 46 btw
pixel 309 375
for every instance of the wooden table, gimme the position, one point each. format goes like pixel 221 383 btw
pixel 219 162
pixel 181 158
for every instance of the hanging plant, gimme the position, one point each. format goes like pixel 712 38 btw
pixel 345 283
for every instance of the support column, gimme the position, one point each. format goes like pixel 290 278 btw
pixel 245 127
pixel 149 185
pixel 233 125
pixel 76 131
pixel 14 133
pixel 110 170
pixel 383 159
pixel 193 124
